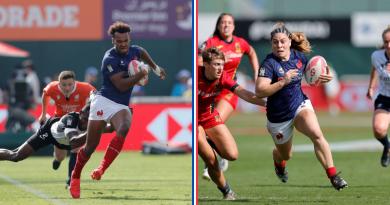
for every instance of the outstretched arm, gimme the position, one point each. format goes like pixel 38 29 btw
pixel 45 100
pixel 22 152
pixel 249 96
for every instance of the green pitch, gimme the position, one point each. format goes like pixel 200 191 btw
pixel 252 176
pixel 133 178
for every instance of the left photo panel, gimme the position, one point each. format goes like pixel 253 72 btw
pixel 96 102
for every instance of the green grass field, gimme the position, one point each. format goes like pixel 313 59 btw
pixel 252 176
pixel 132 179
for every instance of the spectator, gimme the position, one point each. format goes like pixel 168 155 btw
pixel 20 100
pixel 181 86
pixel 32 79
pixel 91 75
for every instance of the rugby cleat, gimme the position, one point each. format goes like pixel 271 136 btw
pixel 74 188
pixel 385 159
pixel 206 175
pixel 230 196
pixel 97 174
pixel 56 164
pixel 338 182
pixel 282 174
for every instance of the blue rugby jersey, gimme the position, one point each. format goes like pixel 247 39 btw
pixel 281 106
pixel 112 63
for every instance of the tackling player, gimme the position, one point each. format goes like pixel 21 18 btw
pixel 56 131
pixel 212 80
pixel 68 95
pixel 233 48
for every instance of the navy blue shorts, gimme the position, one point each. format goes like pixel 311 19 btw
pixel 382 102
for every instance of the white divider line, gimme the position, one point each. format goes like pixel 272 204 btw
pixel 32 190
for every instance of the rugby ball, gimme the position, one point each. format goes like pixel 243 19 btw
pixel 135 67
pixel 314 68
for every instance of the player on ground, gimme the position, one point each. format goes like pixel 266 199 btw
pixel 279 79
pixel 56 131
pixel 380 61
pixel 111 103
pixel 212 80
pixel 233 48
pixel 68 95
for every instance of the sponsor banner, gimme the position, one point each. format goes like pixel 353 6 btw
pixel 315 29
pixel 352 97
pixel 51 20
pixel 367 28
pixel 164 123
pixel 151 19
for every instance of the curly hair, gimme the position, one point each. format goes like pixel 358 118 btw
pixel 119 27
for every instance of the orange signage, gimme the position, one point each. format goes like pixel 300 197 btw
pixel 51 20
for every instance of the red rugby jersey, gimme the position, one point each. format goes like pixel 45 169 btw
pixel 208 90
pixel 233 52
pixel 74 102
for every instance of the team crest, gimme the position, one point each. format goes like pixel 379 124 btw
pixel 58 97
pixel 279 136
pixel 220 46
pixel 281 71
pixel 217 118
pixel 299 64
pixel 238 48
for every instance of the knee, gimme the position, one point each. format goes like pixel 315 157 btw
pixel 380 130
pixel 231 156
pixel 123 129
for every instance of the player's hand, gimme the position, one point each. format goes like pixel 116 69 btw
pixel 324 78
pixel 370 93
pixel 42 119
pixel 163 74
pixel 289 75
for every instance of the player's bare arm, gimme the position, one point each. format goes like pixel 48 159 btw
pixel 249 96
pixel 157 69
pixel 45 99
pixel 123 84
pixel 264 88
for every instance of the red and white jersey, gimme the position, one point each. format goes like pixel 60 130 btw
pixel 73 103
pixel 233 52
pixel 209 90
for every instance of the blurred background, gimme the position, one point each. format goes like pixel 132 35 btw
pixel 344 32
pixel 38 39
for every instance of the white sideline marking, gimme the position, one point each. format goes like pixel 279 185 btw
pixel 31 190
pixel 346 146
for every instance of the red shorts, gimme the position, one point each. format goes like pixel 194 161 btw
pixel 228 96
pixel 210 121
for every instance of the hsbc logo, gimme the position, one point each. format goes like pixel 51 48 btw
pixel 172 125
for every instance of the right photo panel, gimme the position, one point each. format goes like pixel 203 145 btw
pixel 293 103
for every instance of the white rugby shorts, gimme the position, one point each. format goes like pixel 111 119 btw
pixel 282 132
pixel 103 108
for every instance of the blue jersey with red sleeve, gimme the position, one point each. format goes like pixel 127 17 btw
pixel 281 106
pixel 112 63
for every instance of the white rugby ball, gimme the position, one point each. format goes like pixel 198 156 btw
pixel 135 67
pixel 314 68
